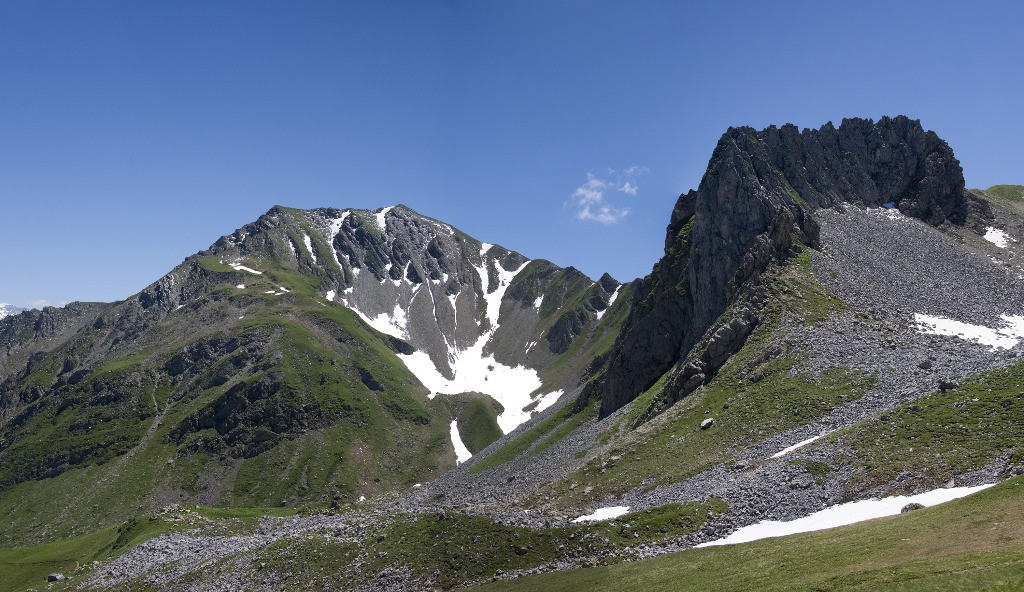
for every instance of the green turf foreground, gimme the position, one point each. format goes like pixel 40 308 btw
pixel 975 543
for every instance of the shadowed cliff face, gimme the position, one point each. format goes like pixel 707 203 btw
pixel 754 204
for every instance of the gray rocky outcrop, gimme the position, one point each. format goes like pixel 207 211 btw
pixel 753 206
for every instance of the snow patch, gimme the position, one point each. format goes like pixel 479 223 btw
pixel 843 514
pixel 334 225
pixel 889 211
pixel 309 245
pixel 330 295
pixel 1004 337
pixel 380 218
pixel 237 266
pixel 462 454
pixel 611 301
pixel 538 301
pixel 996 237
pixel 240 286
pixel 475 372
pixel 479 372
pixel 801 444
pixel 395 324
pixel 604 514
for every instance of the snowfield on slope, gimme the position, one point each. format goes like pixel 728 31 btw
pixel 843 514
pixel 237 266
pixel 606 513
pixel 996 237
pixel 1005 337
pixel 474 370
pixel 462 454
pixel 478 372
pixel 796 446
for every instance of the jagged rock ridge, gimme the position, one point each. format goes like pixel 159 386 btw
pixel 754 205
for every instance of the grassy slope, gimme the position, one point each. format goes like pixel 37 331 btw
pixel 1007 192
pixel 27 567
pixel 478 424
pixel 944 434
pixel 596 341
pixel 567 292
pixel 343 437
pixel 369 443
pixel 477 417
pixel 754 396
pixel 453 549
pixel 976 543
pixel 538 437
pixel 1009 198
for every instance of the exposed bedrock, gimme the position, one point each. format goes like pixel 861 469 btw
pixel 754 205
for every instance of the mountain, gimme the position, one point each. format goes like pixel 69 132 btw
pixel 7 310
pixel 754 205
pixel 308 345
pixel 780 318
pixel 835 318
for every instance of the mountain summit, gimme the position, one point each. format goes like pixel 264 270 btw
pixel 347 352
pixel 755 203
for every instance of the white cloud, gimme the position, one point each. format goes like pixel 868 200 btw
pixel 40 303
pixel 591 192
pixel 602 214
pixel 590 198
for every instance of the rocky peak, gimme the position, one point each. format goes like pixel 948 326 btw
pixel 754 204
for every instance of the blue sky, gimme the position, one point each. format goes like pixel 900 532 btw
pixel 133 134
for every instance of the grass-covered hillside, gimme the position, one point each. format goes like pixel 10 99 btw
pixel 232 381
pixel 246 378
pixel 976 543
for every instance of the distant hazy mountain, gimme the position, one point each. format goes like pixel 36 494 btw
pixel 7 310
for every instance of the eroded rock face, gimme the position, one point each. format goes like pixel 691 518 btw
pixel 754 204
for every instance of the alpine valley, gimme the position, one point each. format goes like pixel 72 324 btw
pixel 374 400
